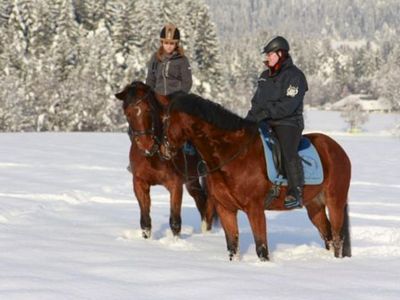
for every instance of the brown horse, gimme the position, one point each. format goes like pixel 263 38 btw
pixel 143 113
pixel 237 180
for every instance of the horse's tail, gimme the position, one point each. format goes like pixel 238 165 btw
pixel 346 234
pixel 211 212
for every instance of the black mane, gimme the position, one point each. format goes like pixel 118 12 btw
pixel 209 111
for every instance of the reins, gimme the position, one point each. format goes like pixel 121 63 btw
pixel 209 171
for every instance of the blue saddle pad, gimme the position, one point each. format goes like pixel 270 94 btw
pixel 312 167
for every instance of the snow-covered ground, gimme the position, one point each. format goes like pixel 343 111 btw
pixel 69 228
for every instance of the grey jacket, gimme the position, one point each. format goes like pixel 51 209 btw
pixel 170 75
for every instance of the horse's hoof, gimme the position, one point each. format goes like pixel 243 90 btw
pixel 328 245
pixel 205 227
pixel 338 248
pixel 262 258
pixel 176 232
pixel 262 252
pixel 234 256
pixel 146 233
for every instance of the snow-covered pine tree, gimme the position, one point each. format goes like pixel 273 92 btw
pixel 145 22
pixel 387 80
pixel 42 28
pixel 11 106
pixel 5 10
pixel 63 51
pixel 18 38
pixel 59 60
pixel 19 57
pixel 127 55
pixel 94 106
pixel 90 12
pixel 206 57
pixel 243 67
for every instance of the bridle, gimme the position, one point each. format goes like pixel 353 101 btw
pixel 147 132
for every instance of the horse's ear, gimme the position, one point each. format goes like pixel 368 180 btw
pixel 122 95
pixel 163 100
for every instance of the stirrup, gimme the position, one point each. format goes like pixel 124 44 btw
pixel 274 191
pixel 292 202
pixel 273 194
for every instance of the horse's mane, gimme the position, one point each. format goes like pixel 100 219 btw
pixel 208 111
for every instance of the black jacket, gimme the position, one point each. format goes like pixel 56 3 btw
pixel 279 97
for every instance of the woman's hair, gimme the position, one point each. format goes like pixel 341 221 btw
pixel 160 51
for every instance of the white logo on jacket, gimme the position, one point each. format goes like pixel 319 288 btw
pixel 292 91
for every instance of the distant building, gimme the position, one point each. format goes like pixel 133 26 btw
pixel 367 102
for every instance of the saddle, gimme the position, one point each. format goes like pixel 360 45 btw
pixel 312 166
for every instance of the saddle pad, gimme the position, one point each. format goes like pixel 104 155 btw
pixel 312 167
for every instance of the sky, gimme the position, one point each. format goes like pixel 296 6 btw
pixel 69 228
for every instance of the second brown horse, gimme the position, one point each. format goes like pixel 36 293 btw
pixel 143 113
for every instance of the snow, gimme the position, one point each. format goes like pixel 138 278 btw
pixel 69 228
pixel 378 124
pixel 366 101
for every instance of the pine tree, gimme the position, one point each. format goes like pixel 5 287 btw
pixel 63 51
pixel 96 107
pixel 90 12
pixel 42 28
pixel 206 60
pixel 387 80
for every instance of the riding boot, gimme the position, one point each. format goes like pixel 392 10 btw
pixel 295 176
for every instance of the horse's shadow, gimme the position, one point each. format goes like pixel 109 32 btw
pixel 191 224
pixel 293 228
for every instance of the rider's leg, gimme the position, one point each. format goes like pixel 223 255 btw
pixel 289 139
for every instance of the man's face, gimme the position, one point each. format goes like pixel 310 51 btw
pixel 272 58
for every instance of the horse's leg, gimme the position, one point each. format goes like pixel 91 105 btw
pixel 200 198
pixel 258 225
pixel 211 213
pixel 176 190
pixel 339 224
pixel 317 214
pixel 142 192
pixel 346 234
pixel 229 223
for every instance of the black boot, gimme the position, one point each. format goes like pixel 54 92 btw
pixel 294 199
pixel 295 176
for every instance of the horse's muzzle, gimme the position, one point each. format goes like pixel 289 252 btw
pixel 152 151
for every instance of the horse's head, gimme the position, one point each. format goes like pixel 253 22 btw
pixel 143 113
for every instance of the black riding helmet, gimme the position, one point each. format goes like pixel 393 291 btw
pixel 277 43
pixel 170 33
